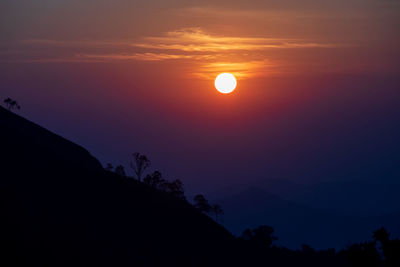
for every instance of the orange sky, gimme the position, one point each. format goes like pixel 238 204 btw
pixel 256 38
pixel 125 75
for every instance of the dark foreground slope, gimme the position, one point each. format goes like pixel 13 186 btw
pixel 60 208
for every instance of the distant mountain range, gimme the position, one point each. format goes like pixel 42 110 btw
pixel 354 198
pixel 322 216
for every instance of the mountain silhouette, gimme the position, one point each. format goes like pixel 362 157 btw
pixel 61 208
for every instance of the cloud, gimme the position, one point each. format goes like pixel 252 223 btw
pixel 140 56
pixel 190 40
pixel 207 54
pixel 197 40
pixel 243 69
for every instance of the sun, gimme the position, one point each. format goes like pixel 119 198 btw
pixel 225 83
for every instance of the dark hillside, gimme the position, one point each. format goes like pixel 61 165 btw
pixel 60 208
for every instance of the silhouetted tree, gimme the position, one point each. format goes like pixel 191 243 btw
pixel 109 167
pixel 247 235
pixel 390 248
pixel 120 170
pixel 139 164
pixel 155 180
pixel 381 235
pixel 217 210
pixel 201 203
pixel 175 188
pixel 11 104
pixel 261 235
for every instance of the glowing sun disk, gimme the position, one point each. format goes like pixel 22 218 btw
pixel 225 83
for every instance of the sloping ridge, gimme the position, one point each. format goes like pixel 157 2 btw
pixel 22 139
pixel 60 208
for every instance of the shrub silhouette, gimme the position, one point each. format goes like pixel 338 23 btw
pixel 120 170
pixel 109 167
pixel 201 203
pixel 261 235
pixel 155 180
pixel 175 188
pixel 305 248
pixel 11 104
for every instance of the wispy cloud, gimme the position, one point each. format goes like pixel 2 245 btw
pixel 206 53
pixel 191 40
pixel 243 69
pixel 197 40
pixel 141 56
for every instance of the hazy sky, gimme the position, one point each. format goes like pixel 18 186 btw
pixel 317 97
